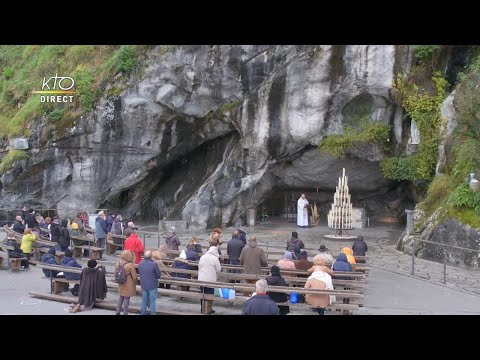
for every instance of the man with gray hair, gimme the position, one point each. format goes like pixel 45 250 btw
pixel 260 303
pixel 129 230
pixel 18 226
pixel 172 242
pixel 149 275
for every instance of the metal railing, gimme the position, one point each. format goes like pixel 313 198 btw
pixel 416 239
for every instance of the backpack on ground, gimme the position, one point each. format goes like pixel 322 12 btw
pixel 120 274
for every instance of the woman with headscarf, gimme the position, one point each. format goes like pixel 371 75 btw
pixel 129 287
pixel 276 279
pixel 286 263
pixel 319 280
pixel 342 264
pixel 349 252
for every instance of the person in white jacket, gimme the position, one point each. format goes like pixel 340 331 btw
pixel 208 267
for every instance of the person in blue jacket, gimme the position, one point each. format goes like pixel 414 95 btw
pixel 68 260
pixel 49 258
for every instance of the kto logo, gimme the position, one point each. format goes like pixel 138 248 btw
pixel 60 85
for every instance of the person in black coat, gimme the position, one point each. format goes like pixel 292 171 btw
pixel 18 226
pixel 260 303
pixel 55 229
pixel 64 236
pixel 234 248
pixel 276 279
pixel 359 248
pixel 30 220
pixel 93 285
pixel 242 235
pixel 181 262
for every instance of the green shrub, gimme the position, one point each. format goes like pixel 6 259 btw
pixel 12 156
pixel 437 194
pixel 366 132
pixel 425 52
pixel 8 72
pixel 125 59
pixel 84 89
pixel 57 114
pixel 425 110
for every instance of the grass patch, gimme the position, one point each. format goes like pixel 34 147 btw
pixel 12 156
pixel 23 68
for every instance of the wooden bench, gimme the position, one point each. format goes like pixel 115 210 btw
pixel 95 252
pixel 16 263
pixel 57 284
pixel 112 247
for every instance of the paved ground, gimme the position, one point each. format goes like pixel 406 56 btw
pixel 390 287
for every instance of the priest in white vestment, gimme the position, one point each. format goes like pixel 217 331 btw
pixel 302 211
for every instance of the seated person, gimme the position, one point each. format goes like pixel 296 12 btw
pixel 325 255
pixel 49 258
pixel 319 265
pixel 349 252
pixel 68 260
pixel 303 263
pixel 341 264
pixel 359 248
pixel 276 279
pixel 19 225
pixel 286 263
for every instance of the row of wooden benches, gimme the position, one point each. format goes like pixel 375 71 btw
pixel 356 297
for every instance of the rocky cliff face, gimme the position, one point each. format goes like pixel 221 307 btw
pixel 209 131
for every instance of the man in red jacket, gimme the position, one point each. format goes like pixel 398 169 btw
pixel 133 243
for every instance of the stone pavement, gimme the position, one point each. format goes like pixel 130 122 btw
pixel 390 287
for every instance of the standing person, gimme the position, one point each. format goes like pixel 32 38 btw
pixel 260 303
pixel 129 229
pixel 55 229
pixel 216 239
pixel 234 248
pixel 117 228
pixel 325 255
pixel 109 221
pixel 30 220
pixel 172 241
pixel 24 213
pixel 64 237
pixel 194 247
pixel 295 245
pixel 302 211
pixel 127 289
pixel 149 275
pixel 18 225
pixel 101 229
pixel 134 244
pixel 27 246
pixel 252 258
pixel 359 247
pixel 276 279
pixel 242 235
pixel 208 269
pixel 286 263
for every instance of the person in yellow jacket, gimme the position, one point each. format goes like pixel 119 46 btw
pixel 349 252
pixel 27 246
